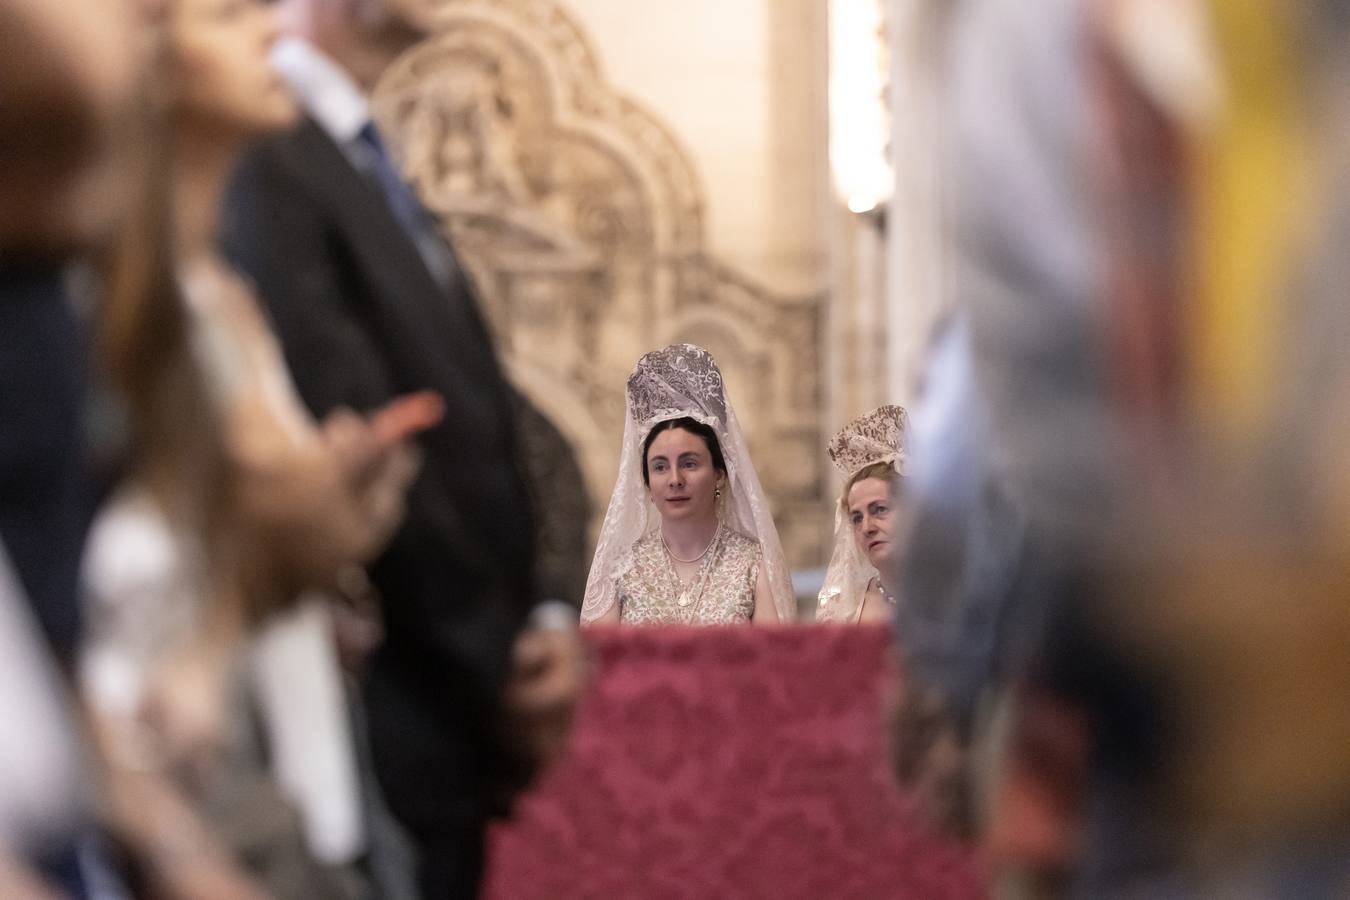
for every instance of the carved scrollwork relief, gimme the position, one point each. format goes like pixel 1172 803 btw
pixel 582 220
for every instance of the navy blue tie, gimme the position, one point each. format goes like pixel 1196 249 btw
pixel 407 208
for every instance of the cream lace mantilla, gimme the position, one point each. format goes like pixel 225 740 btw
pixel 879 436
pixel 680 381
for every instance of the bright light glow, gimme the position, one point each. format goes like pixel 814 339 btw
pixel 860 121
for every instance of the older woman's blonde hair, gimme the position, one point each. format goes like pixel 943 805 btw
pixel 884 470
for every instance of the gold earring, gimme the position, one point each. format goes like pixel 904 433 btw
pixel 717 493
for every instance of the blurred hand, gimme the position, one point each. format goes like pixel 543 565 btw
pixel 1035 802
pixel 549 670
pixel 178 854
pixel 316 508
pixel 377 459
pixel 366 503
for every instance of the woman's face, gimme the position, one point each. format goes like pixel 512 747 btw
pixel 70 80
pixel 871 508
pixel 681 476
pixel 223 74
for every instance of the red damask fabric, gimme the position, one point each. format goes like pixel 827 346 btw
pixel 728 763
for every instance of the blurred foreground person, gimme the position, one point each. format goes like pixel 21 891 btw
pixel 1139 656
pixel 70 81
pixel 68 77
pixel 233 503
pixel 369 302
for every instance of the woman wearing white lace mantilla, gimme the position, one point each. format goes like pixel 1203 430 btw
pixel 711 555
pixel 870 451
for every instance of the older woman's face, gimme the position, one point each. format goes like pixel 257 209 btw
pixel 222 69
pixel 871 514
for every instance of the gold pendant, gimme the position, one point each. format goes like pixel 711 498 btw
pixel 683 599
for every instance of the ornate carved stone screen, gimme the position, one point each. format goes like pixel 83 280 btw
pixel 582 220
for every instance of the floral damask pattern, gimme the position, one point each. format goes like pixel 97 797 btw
pixel 699 771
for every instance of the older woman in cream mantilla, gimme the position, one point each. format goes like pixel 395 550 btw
pixel 870 452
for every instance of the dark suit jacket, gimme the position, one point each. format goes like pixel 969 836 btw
pixel 45 494
pixel 361 320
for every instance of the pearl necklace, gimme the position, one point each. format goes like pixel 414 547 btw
pixel 694 590
pixel 680 559
pixel 887 595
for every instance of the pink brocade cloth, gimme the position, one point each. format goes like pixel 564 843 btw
pixel 728 763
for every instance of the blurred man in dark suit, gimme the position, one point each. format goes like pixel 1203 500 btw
pixel 370 302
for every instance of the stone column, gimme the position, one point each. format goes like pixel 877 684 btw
pixel 915 238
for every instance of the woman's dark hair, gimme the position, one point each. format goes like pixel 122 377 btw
pixel 693 426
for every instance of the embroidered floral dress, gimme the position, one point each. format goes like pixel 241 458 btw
pixel 722 592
